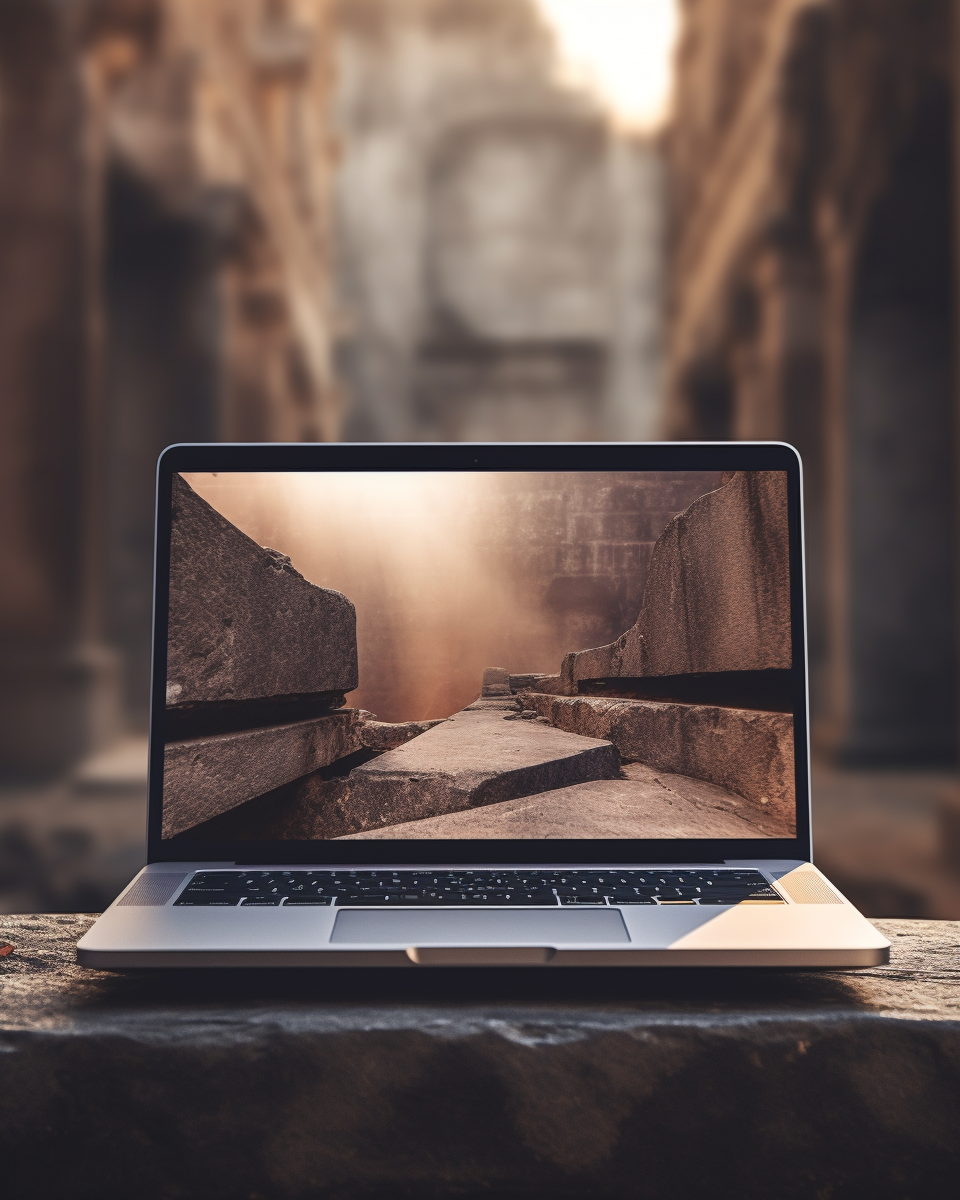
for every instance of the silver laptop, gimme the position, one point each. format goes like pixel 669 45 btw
pixel 480 705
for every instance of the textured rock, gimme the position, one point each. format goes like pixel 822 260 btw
pixel 387 735
pixel 471 759
pixel 243 623
pixel 747 752
pixel 515 1082
pixel 717 596
pixel 496 682
pixel 537 683
pixel 641 804
pixel 203 777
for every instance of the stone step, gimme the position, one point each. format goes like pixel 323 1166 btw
pixel 474 758
pixel 642 804
pixel 206 776
pixel 747 752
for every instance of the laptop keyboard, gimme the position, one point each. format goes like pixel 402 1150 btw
pixel 475 889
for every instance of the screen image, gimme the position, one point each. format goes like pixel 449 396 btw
pixel 479 655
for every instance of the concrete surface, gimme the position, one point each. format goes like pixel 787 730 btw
pixel 485 1083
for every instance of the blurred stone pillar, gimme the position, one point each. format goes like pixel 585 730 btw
pixel 780 384
pixel 58 684
pixel 637 190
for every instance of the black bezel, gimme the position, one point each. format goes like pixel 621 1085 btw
pixel 557 456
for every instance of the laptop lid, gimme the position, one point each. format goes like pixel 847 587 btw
pixel 463 653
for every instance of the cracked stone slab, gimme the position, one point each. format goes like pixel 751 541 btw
pixel 512 1082
pixel 473 758
pixel 641 804
pixel 744 751
pixel 243 623
pixel 204 777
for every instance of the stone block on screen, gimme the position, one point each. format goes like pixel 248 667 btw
pixel 717 595
pixel 244 624
pixel 747 752
pixel 641 803
pixel 387 735
pixel 206 776
pixel 496 682
pixel 473 758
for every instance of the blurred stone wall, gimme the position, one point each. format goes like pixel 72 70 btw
pixel 499 238
pixel 164 233
pixel 812 298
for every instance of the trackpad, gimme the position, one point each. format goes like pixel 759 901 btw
pixel 456 927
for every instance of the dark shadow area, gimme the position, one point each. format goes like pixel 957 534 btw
pixel 767 691
pixel 684 990
pixel 902 492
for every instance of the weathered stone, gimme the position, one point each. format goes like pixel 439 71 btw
pixel 471 759
pixel 385 735
pixel 496 682
pixel 528 683
pixel 552 684
pixel 203 777
pixel 747 752
pixel 515 1082
pixel 641 804
pixel 717 595
pixel 243 623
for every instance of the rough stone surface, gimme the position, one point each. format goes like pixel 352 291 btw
pixel 747 752
pixel 203 777
pixel 496 682
pixel 386 735
pixel 717 596
pixel 552 684
pixel 641 804
pixel 514 1082
pixel 471 759
pixel 526 683
pixel 243 623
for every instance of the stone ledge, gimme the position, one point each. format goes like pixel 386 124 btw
pixel 509 1083
pixel 743 750
pixel 640 804
pixel 473 758
pixel 204 777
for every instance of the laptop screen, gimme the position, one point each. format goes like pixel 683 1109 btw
pixel 478 655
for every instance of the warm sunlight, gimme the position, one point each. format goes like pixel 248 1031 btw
pixel 622 50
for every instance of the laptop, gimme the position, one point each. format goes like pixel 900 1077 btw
pixel 489 705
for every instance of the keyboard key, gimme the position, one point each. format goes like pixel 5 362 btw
pixel 472 889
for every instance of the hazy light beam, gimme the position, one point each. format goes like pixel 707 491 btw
pixel 622 50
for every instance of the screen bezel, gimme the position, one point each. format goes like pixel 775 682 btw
pixel 525 457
